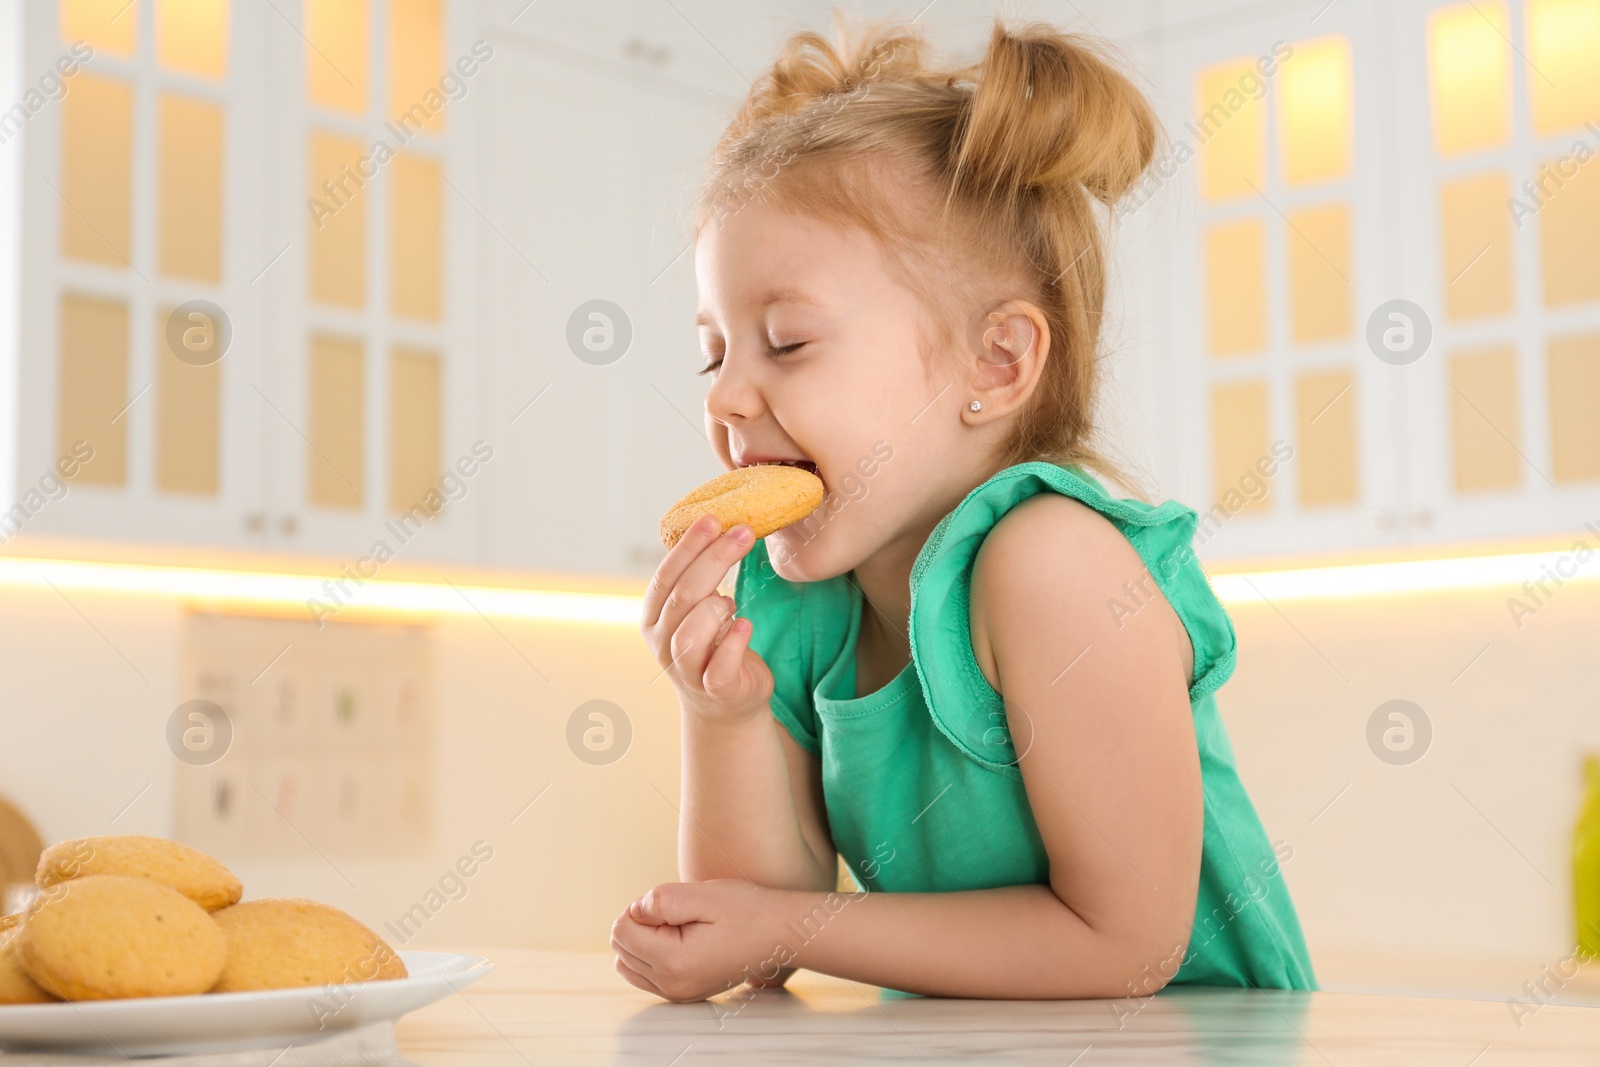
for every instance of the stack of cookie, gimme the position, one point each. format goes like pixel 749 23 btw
pixel 135 916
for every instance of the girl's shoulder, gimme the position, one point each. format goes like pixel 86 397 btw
pixel 1040 519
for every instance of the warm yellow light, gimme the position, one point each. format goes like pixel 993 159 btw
pixel 243 589
pixel 1314 122
pixel 416 60
pixel 112 25
pixel 237 588
pixel 192 36
pixel 1230 125
pixel 1563 63
pixel 336 54
pixel 1236 286
pixel 1469 69
pixel 1510 571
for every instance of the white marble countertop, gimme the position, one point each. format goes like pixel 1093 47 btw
pixel 543 1007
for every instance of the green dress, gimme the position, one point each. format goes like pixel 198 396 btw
pixel 920 779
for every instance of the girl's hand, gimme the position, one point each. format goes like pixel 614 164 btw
pixel 686 941
pixel 687 625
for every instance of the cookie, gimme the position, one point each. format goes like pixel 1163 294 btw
pixel 15 985
pixel 189 871
pixel 105 936
pixel 766 497
pixel 283 943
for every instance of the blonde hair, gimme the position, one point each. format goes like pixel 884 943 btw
pixel 1026 149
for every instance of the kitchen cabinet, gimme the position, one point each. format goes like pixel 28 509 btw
pixel 560 176
pixel 1285 419
pixel 587 171
pixel 175 167
pixel 96 287
pixel 1500 415
pixel 371 417
pixel 672 453
pixel 1300 202
pixel 1456 438
pixel 715 46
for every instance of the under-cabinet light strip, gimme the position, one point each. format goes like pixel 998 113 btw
pixel 1528 575
pixel 1531 574
pixel 318 597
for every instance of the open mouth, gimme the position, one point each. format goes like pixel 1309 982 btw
pixel 803 464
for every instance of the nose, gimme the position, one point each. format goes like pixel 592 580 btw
pixel 735 395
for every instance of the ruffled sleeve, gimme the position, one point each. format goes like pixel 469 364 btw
pixel 964 706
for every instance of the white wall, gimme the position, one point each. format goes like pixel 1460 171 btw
pixel 90 685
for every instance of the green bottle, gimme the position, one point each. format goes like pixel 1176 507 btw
pixel 1586 862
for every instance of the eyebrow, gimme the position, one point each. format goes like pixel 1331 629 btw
pixel 782 295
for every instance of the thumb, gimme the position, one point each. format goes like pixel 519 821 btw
pixel 668 904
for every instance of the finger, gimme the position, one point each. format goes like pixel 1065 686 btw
pixel 724 674
pixel 642 913
pixel 695 639
pixel 639 980
pixel 634 962
pixel 669 904
pixel 694 540
pixel 646 940
pixel 699 580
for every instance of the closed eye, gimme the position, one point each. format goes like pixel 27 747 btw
pixel 711 366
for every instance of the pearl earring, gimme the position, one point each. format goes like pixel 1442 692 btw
pixel 976 405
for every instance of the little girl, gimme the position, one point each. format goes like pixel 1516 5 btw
pixel 978 678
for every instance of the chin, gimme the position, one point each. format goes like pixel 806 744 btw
pixel 799 558
pixel 786 551
pixel 794 555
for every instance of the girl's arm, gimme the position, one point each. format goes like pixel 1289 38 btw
pixel 752 806
pixel 730 785
pixel 687 941
pixel 751 797
pixel 1097 701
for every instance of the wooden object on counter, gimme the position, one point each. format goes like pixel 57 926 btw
pixel 20 846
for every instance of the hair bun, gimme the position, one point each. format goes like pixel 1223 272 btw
pixel 810 67
pixel 1051 110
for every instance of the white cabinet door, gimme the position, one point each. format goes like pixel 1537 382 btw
pixel 671 452
pixel 1481 435
pixel 344 504
pixel 587 182
pixel 95 357
pixel 1479 405
pixel 1269 259
pixel 710 45
pixel 102 315
pixel 558 232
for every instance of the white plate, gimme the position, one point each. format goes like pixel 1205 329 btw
pixel 223 1022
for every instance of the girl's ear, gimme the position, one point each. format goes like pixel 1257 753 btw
pixel 1010 342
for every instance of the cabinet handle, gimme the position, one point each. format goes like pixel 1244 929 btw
pixel 640 49
pixel 288 525
pixel 1383 521
pixel 255 522
pixel 1422 517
